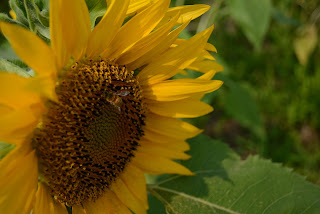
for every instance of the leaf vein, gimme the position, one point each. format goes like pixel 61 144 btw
pixel 247 189
pixel 311 205
pixel 160 198
pixel 212 205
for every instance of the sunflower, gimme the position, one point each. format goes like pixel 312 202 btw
pixel 102 108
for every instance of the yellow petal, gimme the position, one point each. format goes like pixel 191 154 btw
pixel 127 198
pixel 134 6
pixel 44 202
pixel 58 42
pixel 137 27
pixel 159 138
pixel 116 204
pixel 179 89
pixel 206 76
pixel 78 209
pixel 4 109
pixel 177 145
pixel 175 59
pixel 211 47
pixel 138 5
pixel 13 92
pixel 44 86
pixel 30 48
pixel 206 55
pixel 162 150
pixel 171 141
pixel 58 208
pixel 170 127
pixel 161 47
pixel 107 203
pixel 107 28
pixel 76 26
pixel 186 108
pixel 205 66
pixel 16 125
pixel 136 183
pixel 187 12
pixel 147 43
pixel 154 164
pixel 100 206
pixel 18 181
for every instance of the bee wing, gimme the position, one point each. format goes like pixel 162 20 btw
pixel 122 93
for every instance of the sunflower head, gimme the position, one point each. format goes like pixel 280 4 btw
pixel 89 136
pixel 102 108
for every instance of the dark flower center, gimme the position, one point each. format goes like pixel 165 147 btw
pixel 88 137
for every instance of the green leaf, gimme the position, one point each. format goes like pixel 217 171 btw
pixel 41 8
pixel 18 7
pixel 240 104
pixel 34 15
pixel 253 16
pixel 5 149
pixel 42 4
pixel 97 8
pixel 305 43
pixel 225 184
pixel 6 51
pixel 280 17
pixel 4 17
pixel 10 67
pixel 156 207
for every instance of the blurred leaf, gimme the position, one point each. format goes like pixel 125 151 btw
pixel 225 184
pixel 4 149
pixel 6 51
pixel 33 14
pixel 4 17
pixel 18 7
pixel 42 4
pixel 253 16
pixel 97 8
pixel 240 104
pixel 282 18
pixel 10 67
pixel 305 43
pixel 185 34
pixel 41 8
pixel 156 206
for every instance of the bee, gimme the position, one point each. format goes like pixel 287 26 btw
pixel 122 93
pixel 115 99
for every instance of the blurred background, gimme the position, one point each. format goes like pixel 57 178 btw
pixel 269 104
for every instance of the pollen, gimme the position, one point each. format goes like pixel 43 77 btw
pixel 86 138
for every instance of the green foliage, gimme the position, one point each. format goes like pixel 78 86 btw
pixel 4 149
pixel 226 184
pixel 11 67
pixel 253 17
pixel 34 15
pixel 97 9
pixel 18 7
pixel 284 88
pixel 5 17
pixel 240 105
pixel 305 42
